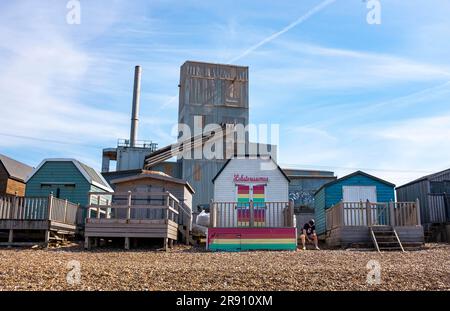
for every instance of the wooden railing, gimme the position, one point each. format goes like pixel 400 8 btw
pixel 139 205
pixel 253 215
pixel 38 208
pixel 405 213
pixel 373 214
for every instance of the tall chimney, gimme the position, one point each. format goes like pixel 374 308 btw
pixel 136 103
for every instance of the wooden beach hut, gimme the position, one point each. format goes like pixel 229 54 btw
pixel 251 208
pixel 150 204
pixel 67 179
pixel 433 193
pixel 13 176
pixel 360 209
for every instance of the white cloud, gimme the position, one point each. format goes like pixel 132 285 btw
pixel 423 132
pixel 310 66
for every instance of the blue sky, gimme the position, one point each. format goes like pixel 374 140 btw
pixel 347 95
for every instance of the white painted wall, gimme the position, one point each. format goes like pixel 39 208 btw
pixel 277 189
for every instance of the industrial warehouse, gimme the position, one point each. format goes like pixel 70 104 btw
pixel 239 200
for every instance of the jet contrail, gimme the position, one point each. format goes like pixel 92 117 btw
pixel 300 20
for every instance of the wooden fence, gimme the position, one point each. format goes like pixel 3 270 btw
pixel 38 208
pixel 373 214
pixel 254 215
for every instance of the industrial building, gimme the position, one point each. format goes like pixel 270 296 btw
pixel 209 94
pixel 129 154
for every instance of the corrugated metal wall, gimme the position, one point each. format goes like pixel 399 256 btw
pixel 412 192
pixel 218 93
pixel 444 176
pixel 422 190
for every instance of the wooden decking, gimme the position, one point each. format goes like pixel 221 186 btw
pixel 44 218
pixel 137 215
pixel 350 223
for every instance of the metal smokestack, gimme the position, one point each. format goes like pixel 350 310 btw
pixel 136 103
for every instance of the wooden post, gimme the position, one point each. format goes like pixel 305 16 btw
pixel 212 212
pixel 13 208
pixel 98 207
pixel 87 242
pixel 392 213
pixel 11 234
pixel 419 221
pixel 50 205
pixel 252 214
pixel 127 243
pixel 291 214
pixel 129 206
pixel 166 244
pixel 65 211
pixel 187 234
pixel 47 237
pixel 76 214
pixel 167 205
pixel 107 210
pixel 369 214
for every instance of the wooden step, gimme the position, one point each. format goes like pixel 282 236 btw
pixel 385 239
pixel 391 249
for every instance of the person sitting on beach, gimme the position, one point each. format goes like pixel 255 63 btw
pixel 309 233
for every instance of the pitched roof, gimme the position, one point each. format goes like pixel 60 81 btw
pixel 155 175
pixel 427 177
pixel 91 175
pixel 247 156
pixel 355 174
pixel 16 170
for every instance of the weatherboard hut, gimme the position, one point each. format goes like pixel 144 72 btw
pixel 251 208
pixel 67 179
pixel 361 209
pixel 13 175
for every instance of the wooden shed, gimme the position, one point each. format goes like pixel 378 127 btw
pixel 13 175
pixel 155 181
pixel 67 179
pixel 251 208
pixel 361 209
pixel 150 204
pixel 433 193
